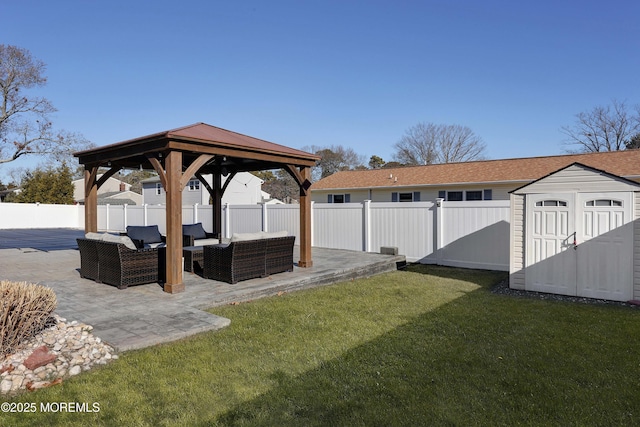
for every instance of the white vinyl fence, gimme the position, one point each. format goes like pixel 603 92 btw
pixel 38 215
pixel 461 234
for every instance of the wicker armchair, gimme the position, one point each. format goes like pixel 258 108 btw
pixel 122 267
pixel 235 261
pixel 194 235
pixel 146 236
pixel 279 256
pixel 89 266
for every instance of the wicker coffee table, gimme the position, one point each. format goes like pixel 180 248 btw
pixel 193 258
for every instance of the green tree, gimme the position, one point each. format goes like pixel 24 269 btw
pixel 266 176
pixel 49 185
pixel 376 162
pixel 634 142
pixel 393 165
pixel 279 184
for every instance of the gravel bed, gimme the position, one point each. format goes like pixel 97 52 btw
pixel 503 288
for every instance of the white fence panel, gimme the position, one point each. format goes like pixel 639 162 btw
pixel 475 234
pixel 135 215
pixel 189 214
pixel 116 215
pixel 205 216
pixel 284 217
pixel 156 216
pixel 338 226
pixel 103 218
pixel 407 226
pixel 245 218
pixel 40 215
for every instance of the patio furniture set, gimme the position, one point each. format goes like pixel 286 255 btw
pixel 137 256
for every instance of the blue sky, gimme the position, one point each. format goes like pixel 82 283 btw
pixel 352 73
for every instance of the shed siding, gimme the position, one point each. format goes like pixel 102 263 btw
pixel 636 247
pixel 516 269
pixel 579 179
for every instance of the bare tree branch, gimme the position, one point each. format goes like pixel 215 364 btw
pixel 333 159
pixel 429 143
pixel 608 128
pixel 25 128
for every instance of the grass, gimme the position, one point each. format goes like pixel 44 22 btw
pixel 427 346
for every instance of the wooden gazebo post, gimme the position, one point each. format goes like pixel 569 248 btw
pixel 90 200
pixel 173 269
pixel 305 220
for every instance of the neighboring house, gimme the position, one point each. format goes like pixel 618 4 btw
pixel 112 192
pixel 120 198
pixel 478 180
pixel 244 189
pixel 5 193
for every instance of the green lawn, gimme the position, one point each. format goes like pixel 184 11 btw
pixel 426 346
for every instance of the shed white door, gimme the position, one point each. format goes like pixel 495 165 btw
pixel 605 246
pixel 551 261
pixel 600 265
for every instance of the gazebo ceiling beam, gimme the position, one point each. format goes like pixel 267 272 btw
pixel 236 152
pixel 108 174
pixel 160 170
pixel 194 167
pixel 299 176
pixel 116 154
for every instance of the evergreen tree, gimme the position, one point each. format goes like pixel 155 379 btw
pixel 52 186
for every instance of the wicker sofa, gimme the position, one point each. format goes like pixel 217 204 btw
pixel 116 261
pixel 279 255
pixel 89 266
pixel 248 256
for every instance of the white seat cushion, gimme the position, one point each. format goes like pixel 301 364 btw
pixel 205 242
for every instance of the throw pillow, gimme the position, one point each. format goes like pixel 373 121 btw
pixel 148 233
pixel 119 239
pixel 194 230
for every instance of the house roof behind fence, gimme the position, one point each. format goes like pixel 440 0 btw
pixel 622 163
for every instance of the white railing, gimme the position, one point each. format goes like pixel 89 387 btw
pixel 461 234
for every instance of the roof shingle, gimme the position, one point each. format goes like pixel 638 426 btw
pixel 621 163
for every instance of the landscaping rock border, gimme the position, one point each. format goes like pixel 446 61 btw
pixel 503 288
pixel 62 350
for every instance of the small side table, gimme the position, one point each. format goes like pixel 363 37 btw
pixel 193 255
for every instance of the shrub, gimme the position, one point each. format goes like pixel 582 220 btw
pixel 24 311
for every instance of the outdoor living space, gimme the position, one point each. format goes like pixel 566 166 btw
pixel 144 315
pixel 426 345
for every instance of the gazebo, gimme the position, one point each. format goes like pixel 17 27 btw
pixel 178 155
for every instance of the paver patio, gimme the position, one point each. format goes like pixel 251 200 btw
pixel 144 315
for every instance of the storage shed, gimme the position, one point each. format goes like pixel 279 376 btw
pixel 573 232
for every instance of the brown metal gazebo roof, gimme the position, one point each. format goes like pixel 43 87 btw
pixel 179 154
pixel 199 138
